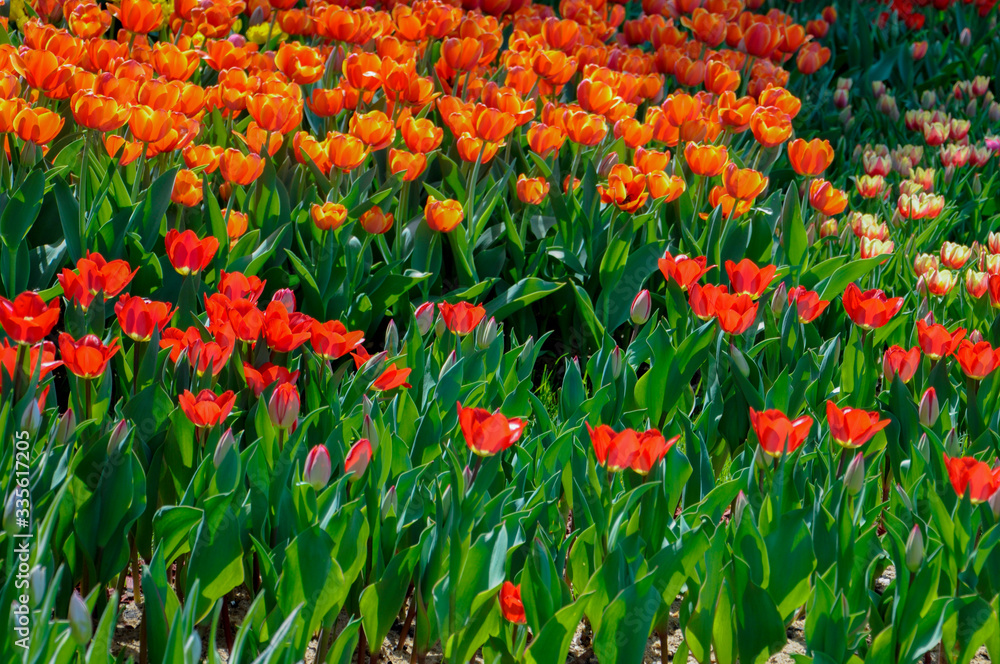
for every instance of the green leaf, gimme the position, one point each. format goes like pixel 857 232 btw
pixel 22 209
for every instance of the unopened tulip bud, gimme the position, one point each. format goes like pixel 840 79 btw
pixel 829 228
pixel 226 443
pixel 965 37
pixel 37 585
pixel 780 299
pixel 439 327
pixel 928 99
pixel 914 549
pixel 467 476
pixel 854 478
pixel 317 470
pixel 425 315
pixel 977 185
pixel 972 108
pixel 975 336
pixel 286 297
pixel 739 360
pixel 878 89
pixel 66 426
pixel 930 409
pixel 739 508
pixel 952 445
pixel 841 99
pixel 995 504
pixel 486 333
pixel 616 362
pixel 392 338
pixel 642 307
pixel 449 362
pixel 257 17
pixel 366 405
pixel 283 407
pixel 846 118
pixel 358 459
pixel 31 419
pixel 370 431
pixel 80 626
pixel 10 521
pixel 118 436
pixel 994 112
pixel 390 503
pixel 610 161
pixel 949 173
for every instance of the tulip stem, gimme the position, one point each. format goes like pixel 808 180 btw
pixel 471 193
pixel 19 361
pixel 86 393
pixel 84 169
pixel 140 169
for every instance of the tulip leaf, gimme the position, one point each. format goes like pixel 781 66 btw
pixel 21 209
pixel 381 601
pixel 520 295
pixel 216 562
pixel 553 641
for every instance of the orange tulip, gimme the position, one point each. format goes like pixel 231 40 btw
pixel 41 70
pixel 666 187
pixel 532 191
pixel 374 129
pixel 443 216
pixel 375 221
pixel 328 216
pixel 470 148
pixel 207 409
pixel 812 58
pixel 626 188
pixel 159 94
pixel 95 111
pixel 363 71
pixel 345 152
pixel 851 427
pixel 734 313
pixel 86 357
pixel 977 360
pixel 649 161
pixel 782 99
pixel 172 63
pixel 719 78
pixel 585 129
pixel 825 199
pixel 28 319
pixel 634 133
pixel 138 16
pixel 206 156
pixel 706 160
pixel 810 158
pixel 149 125
pixel 744 184
pixel 409 164
pixel 770 126
pixel 37 125
pixel 255 137
pixel 462 54
pixel 421 135
pixel 130 150
pixel 187 189
pixel 271 111
pixel 734 114
pixel 299 62
pixel 761 39
pixel 238 168
pixel 87 20
pixel 970 476
pixel 544 139
pixel 326 103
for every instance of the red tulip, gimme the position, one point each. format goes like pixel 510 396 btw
pixel 8 358
pixel 260 378
pixel 187 252
pixel 87 357
pixel 777 433
pixel 207 409
pixel 461 318
pixel 28 320
pixel 639 451
pixel 488 433
pixel 95 275
pixel 510 603
pixel 807 302
pixel 235 285
pixel 358 458
pixel 975 477
pixel 332 340
pixel 284 332
pixel 734 313
pixel 936 341
pixel 746 278
pixel 977 360
pixel 870 309
pixel 851 428
pixel 283 406
pixel 683 270
pixel 391 378
pixel 138 317
pixel 901 362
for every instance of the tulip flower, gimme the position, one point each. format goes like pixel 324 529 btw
pixel 936 341
pixel 929 408
pixel 238 168
pixel 706 160
pixel 283 406
pixel 900 362
pixel 318 468
pixel 207 408
pixel 777 433
pixel 870 309
pixel 86 357
pixel 851 427
pixel 639 451
pixel 743 183
pixel 443 216
pixel 391 378
pixel 28 319
pixel 807 303
pixel 532 191
pixel 487 433
pixel 187 252
pixel 810 158
pixel 734 313
pixel 969 475
pixel 746 278
pixel 95 275
pixel 626 188
pixel 328 216
pixel 332 340
pixel 284 331
pixel 358 458
pixel 46 350
pixel 977 360
pixel 461 318
pixel 260 378
pixel 702 299
pixel 683 270
pixel 138 317
pixel 642 307
pixel 424 316
pixel 824 198
pixel 511 605
pixel 375 221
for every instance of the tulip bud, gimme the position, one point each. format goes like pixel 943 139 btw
pixel 780 299
pixel 118 436
pixel 949 173
pixel 425 315
pixel 80 627
pixel 439 327
pixel 829 228
pixel 10 524
pixel 975 336
pixel 878 89
pixel 972 108
pixel 37 585
pixel 739 508
pixel 226 443
pixel 358 459
pixel 390 503
pixel 257 17
pixel 642 307
pixel 977 185
pixel 994 112
pixel 286 297
pixel 841 99
pixel 31 419
pixel 846 118
pixel 952 444
pixel 66 427
pixel 610 161
pixel 994 502
pixel 965 37
pixel 366 405
pixel 854 478
pixel 616 362
pixel 929 407
pixel 914 549
pixel 449 362
pixel 928 99
pixel 467 476
pixel 739 360
pixel 369 431
pixel 391 338
pixel 317 470
pixel 283 407
pixel 486 333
